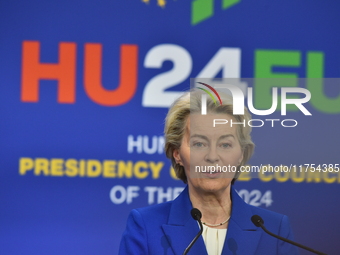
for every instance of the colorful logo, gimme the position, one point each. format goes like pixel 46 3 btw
pixel 210 94
pixel 204 9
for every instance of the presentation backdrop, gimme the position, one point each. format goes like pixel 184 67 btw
pixel 86 86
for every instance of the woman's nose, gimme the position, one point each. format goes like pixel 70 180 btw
pixel 212 156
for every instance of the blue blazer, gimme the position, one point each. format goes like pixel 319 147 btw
pixel 168 228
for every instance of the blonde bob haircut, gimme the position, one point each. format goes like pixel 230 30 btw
pixel 190 102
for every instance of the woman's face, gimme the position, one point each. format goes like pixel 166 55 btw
pixel 209 154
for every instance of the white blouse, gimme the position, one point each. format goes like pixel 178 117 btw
pixel 214 239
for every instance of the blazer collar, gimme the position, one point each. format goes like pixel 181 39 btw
pixel 242 237
pixel 182 228
pixel 241 212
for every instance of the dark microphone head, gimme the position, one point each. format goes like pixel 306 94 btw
pixel 257 220
pixel 196 214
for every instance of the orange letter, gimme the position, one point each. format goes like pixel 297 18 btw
pixel 33 71
pixel 93 73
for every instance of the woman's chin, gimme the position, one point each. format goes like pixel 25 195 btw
pixel 212 184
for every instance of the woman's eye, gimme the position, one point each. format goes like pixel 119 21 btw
pixel 198 144
pixel 225 145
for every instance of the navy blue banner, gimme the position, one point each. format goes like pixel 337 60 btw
pixel 86 86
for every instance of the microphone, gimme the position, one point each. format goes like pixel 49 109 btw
pixel 196 215
pixel 259 222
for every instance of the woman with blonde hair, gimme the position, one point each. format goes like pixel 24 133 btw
pixel 207 157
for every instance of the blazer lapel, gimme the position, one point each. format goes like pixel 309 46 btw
pixel 242 236
pixel 182 228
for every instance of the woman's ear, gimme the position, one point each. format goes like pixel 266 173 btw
pixel 177 157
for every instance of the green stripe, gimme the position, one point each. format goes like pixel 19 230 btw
pixel 228 3
pixel 212 97
pixel 201 10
